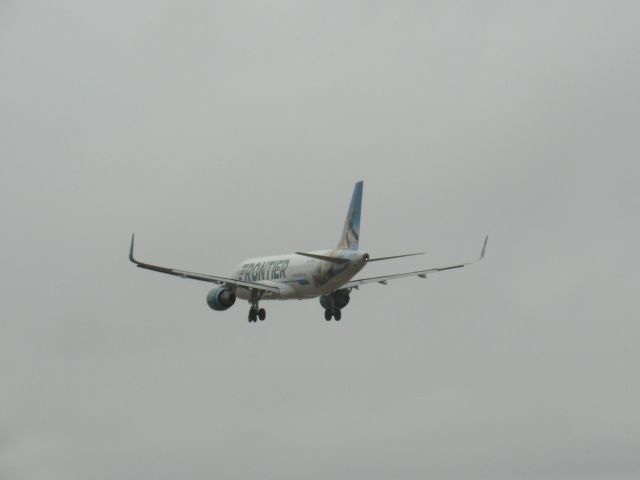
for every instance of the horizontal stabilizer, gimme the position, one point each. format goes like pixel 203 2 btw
pixel 419 273
pixel 396 256
pixel 324 257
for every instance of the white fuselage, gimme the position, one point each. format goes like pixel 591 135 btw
pixel 298 276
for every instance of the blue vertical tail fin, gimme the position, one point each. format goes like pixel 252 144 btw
pixel 350 238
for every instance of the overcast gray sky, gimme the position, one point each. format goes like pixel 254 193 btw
pixel 220 131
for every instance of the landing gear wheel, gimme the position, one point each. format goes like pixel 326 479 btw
pixel 262 314
pixel 337 315
pixel 253 315
pixel 328 314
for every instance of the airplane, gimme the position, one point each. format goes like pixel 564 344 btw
pixel 327 274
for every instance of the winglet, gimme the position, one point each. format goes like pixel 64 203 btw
pixel 484 247
pixel 133 235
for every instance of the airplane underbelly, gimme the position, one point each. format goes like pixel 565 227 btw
pixel 286 292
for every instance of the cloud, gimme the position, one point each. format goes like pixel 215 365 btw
pixel 219 132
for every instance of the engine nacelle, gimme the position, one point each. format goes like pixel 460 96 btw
pixel 221 298
pixel 336 300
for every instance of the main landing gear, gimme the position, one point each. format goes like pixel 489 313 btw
pixel 333 303
pixel 255 312
pixel 336 314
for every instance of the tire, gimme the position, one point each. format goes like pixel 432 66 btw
pixel 327 314
pixel 262 314
pixel 337 315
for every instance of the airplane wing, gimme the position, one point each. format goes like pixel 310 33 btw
pixel 418 273
pixel 201 276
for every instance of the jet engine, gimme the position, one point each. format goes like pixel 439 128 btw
pixel 221 298
pixel 336 300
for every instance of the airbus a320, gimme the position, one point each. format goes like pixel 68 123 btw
pixel 325 274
